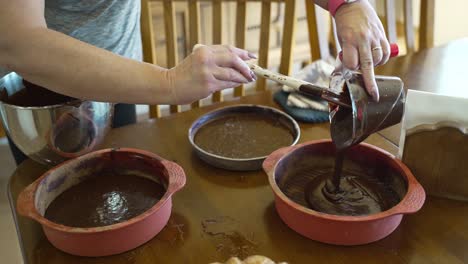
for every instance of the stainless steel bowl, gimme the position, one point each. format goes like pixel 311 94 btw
pixel 240 164
pixel 55 133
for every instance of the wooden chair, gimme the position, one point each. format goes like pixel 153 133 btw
pixel 319 42
pixel 287 44
pixel 426 24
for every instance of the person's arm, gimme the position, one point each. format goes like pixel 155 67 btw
pixel 71 67
pixel 362 38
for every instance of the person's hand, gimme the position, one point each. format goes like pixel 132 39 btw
pixel 209 69
pixel 363 40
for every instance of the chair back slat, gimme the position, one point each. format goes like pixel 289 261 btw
pixel 147 36
pixel 289 30
pixel 147 41
pixel 409 28
pixel 194 31
pixel 241 14
pixel 318 39
pixel 264 45
pixel 171 40
pixel 217 13
pixel 313 31
pixel 170 31
pixel 390 21
pixel 194 22
pixel 426 24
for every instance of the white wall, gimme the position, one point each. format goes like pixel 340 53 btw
pixel 451 20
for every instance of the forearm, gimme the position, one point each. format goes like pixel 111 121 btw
pixel 69 66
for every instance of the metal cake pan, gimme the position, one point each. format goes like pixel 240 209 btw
pixel 239 164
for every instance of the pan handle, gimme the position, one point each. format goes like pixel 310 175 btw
pixel 177 177
pixel 25 204
pixel 414 199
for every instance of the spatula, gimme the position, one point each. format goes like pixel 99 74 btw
pixel 305 88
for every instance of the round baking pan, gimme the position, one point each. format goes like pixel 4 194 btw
pixel 241 164
pixel 110 239
pixel 283 165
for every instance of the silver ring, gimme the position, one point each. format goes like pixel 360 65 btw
pixel 377 48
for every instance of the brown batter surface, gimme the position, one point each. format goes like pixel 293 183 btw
pixel 358 195
pixel 362 191
pixel 104 200
pixel 34 95
pixel 243 136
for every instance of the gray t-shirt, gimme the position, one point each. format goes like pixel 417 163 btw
pixel 113 25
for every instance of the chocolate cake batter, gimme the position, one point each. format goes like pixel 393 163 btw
pixel 104 200
pixel 364 190
pixel 358 194
pixel 243 136
pixel 35 96
pixel 340 192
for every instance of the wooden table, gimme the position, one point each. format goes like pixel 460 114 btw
pixel 242 205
